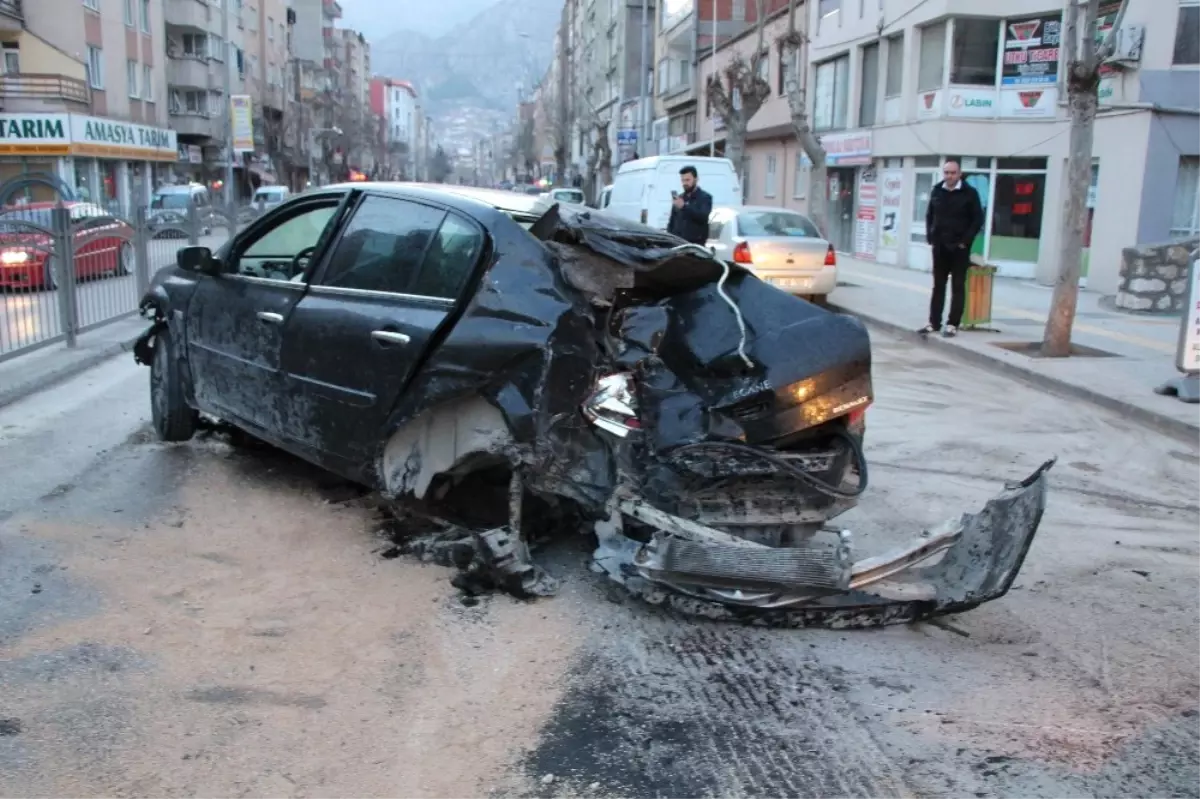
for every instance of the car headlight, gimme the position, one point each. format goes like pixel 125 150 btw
pixel 13 257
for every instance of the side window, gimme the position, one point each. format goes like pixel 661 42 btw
pixel 273 254
pixel 448 263
pixel 383 246
pixel 715 226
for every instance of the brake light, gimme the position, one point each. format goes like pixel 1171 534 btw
pixel 857 417
pixel 830 257
pixel 741 253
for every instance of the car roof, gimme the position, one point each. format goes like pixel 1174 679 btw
pixel 465 198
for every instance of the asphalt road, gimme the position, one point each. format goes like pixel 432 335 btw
pixel 30 317
pixel 219 619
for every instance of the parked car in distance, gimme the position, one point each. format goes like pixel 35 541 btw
pixel 267 197
pixel 641 192
pixel 573 196
pixel 605 197
pixel 103 245
pixel 169 209
pixel 781 246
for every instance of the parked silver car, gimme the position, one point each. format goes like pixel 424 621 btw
pixel 781 246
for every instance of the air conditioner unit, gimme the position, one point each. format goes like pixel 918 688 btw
pixel 1128 40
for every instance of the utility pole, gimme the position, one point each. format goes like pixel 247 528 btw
pixel 712 143
pixel 226 56
pixel 644 102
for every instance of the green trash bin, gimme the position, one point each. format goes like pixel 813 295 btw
pixel 978 311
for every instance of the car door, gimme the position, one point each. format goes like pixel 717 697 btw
pixel 353 341
pixel 235 320
pixel 93 249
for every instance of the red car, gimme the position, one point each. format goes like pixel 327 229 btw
pixel 103 245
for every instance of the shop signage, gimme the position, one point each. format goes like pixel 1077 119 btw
pixel 1031 51
pixel 34 134
pixel 191 154
pixel 866 215
pixel 929 104
pixel 115 139
pixel 847 149
pixel 1029 103
pixel 890 191
pixel 241 109
pixel 972 103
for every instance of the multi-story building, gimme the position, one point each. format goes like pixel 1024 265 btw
pixel 898 87
pixel 394 103
pixel 204 49
pixel 268 67
pixel 83 97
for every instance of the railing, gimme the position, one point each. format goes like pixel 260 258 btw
pixel 28 86
pixel 12 8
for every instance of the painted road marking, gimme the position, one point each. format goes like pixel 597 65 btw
pixel 1150 344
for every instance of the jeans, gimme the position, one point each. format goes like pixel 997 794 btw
pixel 949 261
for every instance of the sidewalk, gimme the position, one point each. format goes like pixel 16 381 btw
pixel 26 374
pixel 1142 348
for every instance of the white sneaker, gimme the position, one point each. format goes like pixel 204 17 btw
pixel 950 331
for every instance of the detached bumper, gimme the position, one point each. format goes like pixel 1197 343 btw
pixel 820 583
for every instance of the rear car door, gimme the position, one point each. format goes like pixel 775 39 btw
pixel 353 342
pixel 235 321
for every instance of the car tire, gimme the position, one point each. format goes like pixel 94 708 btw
pixel 124 259
pixel 173 419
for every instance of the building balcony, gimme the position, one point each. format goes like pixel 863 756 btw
pixel 31 92
pixel 194 123
pixel 331 9
pixel 677 33
pixel 187 14
pixel 12 16
pixel 189 72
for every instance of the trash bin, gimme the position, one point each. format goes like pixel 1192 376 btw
pixel 979 295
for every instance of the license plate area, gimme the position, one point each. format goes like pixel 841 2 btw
pixel 791 283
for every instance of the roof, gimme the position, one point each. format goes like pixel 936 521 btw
pixel 505 201
pixel 654 160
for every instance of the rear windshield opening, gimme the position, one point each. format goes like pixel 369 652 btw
pixel 776 223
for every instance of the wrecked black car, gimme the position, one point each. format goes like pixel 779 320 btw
pixel 517 368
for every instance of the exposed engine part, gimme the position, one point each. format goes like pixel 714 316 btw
pixel 613 406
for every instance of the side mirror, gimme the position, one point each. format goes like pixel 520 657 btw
pixel 197 259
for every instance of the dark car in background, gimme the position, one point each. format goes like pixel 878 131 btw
pixel 514 365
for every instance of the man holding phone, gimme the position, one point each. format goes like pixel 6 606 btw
pixel 690 210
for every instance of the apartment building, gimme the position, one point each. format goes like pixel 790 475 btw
pixel 267 64
pixel 898 87
pixel 394 103
pixel 83 98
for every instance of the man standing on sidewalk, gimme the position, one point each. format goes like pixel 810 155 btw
pixel 953 219
pixel 690 210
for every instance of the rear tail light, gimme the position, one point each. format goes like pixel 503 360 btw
pixel 612 406
pixel 830 257
pixel 856 420
pixel 741 253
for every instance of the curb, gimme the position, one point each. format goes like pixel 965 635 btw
pixel 1157 421
pixel 63 372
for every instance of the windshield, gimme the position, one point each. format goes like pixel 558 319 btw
pixel 269 196
pixel 175 199
pixel 12 218
pixel 776 223
pixel 569 196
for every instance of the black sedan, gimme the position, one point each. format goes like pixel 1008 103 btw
pixel 514 365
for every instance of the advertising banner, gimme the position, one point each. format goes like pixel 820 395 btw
pixel 1031 49
pixel 972 103
pixel 866 217
pixel 891 190
pixel 242 109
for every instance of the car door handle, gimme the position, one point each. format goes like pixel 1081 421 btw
pixel 270 318
pixel 390 337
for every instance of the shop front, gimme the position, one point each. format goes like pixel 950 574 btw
pixel 106 161
pixel 845 154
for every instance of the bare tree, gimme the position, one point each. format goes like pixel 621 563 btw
pixel 1083 57
pixel 736 92
pixel 793 50
pixel 599 160
pixel 523 148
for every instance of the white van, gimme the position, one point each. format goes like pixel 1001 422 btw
pixel 267 197
pixel 642 189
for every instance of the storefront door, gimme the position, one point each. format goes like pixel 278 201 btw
pixel 841 209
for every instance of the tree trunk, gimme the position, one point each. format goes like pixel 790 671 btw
pixel 735 149
pixel 1082 104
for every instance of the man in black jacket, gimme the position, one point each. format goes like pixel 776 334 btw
pixel 953 219
pixel 690 210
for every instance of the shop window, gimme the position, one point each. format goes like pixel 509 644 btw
pixel 832 93
pixel 1187 33
pixel 922 189
pixel 770 186
pixel 894 80
pixel 1017 217
pixel 1038 164
pixel 870 85
pixel 974 49
pixel 931 72
pixel 1185 215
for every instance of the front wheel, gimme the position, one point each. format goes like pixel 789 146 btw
pixel 124 259
pixel 173 419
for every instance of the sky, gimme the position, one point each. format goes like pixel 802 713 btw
pixel 378 18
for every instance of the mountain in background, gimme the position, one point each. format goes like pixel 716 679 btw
pixel 478 63
pixel 378 18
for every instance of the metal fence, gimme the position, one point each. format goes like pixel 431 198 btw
pixel 68 266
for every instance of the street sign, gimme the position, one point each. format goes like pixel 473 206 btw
pixel 627 137
pixel 1187 360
